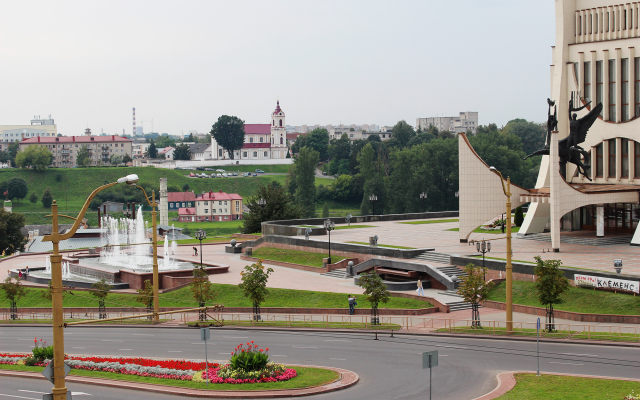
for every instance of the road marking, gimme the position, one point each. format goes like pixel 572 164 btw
pixel 80 394
pixel 142 334
pixel 554 362
pixel 125 349
pixel 576 354
pixel 304 347
pixel 32 391
pixel 339 359
pixel 175 351
pixel 276 355
pixel 336 340
pixel 81 348
pixel 117 341
pixel 18 397
pixel 455 347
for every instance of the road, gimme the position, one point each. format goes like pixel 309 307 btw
pixel 389 368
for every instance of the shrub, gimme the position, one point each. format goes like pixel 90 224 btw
pixel 519 217
pixel 30 361
pixel 41 351
pixel 249 358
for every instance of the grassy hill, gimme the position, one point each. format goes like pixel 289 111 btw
pixel 71 186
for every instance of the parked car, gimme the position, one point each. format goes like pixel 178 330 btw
pixel 247 174
pixel 220 170
pixel 191 174
pixel 218 175
pixel 235 174
pixel 213 175
pixel 259 171
pixel 324 173
pixel 224 175
pixel 254 174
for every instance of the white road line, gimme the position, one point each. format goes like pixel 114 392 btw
pixel 117 341
pixel 32 391
pixel 174 351
pixel 276 355
pixel 336 340
pixel 125 349
pixel 554 362
pixel 576 354
pixel 455 347
pixel 142 334
pixel 304 347
pixel 17 397
pixel 339 359
pixel 80 394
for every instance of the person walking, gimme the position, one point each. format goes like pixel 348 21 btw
pixel 351 306
pixel 420 290
pixel 195 251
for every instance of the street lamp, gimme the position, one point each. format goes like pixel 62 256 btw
pixel 262 202
pixel 373 198
pixel 508 268
pixel 423 197
pixel 59 389
pixel 329 225
pixel 617 265
pixel 483 246
pixel 129 212
pixel 200 235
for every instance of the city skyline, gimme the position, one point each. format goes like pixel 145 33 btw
pixel 183 65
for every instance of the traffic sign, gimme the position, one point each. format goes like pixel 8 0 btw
pixel 205 334
pixel 538 325
pixel 48 371
pixel 429 359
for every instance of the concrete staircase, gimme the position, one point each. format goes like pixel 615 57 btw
pixel 452 270
pixel 605 241
pixel 340 273
pixel 440 258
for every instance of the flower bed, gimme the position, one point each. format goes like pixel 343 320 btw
pixel 225 374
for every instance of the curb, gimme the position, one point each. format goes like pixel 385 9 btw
pixel 507 381
pixel 347 379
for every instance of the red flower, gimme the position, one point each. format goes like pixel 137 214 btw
pixel 267 349
pixel 252 342
pixel 261 350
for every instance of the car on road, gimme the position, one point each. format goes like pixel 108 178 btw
pixel 218 175
pixel 259 171
pixel 192 175
pixel 213 175
pixel 247 174
pixel 254 174
pixel 224 175
pixel 324 173
pixel 220 170
pixel 235 174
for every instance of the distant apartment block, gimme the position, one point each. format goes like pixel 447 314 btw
pixel 39 127
pixel 467 121
pixel 341 127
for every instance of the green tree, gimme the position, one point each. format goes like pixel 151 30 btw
pixel 5 156
pixel 126 158
pixel 279 206
pixel 185 187
pixel 14 148
pixel 532 135
pixel 317 139
pixel 82 157
pixel 551 286
pixel 47 199
pixel 182 152
pixel 305 175
pixel 145 295
pixel 35 157
pixel 11 239
pixel 325 210
pixel 375 290
pixel 13 292
pixel 403 133
pixel 228 132
pixel 254 284
pixel 474 290
pixel 165 140
pixel 100 290
pixel 17 188
pixel 519 216
pixel 48 292
pixel 115 159
pixel 152 151
pixel 201 288
pixel 33 198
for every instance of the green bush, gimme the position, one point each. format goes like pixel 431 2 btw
pixel 41 353
pixel 30 361
pixel 519 216
pixel 249 358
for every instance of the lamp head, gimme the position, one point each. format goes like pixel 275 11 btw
pixel 492 169
pixel 129 179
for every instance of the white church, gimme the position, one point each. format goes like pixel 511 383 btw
pixel 261 141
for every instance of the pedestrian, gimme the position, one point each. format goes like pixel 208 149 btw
pixel 26 272
pixel 420 290
pixel 20 274
pixel 351 305
pixel 195 251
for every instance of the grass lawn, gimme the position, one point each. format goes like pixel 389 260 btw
pixel 353 226
pixel 387 245
pixel 480 230
pixel 278 169
pixel 229 295
pixel 557 387
pixel 307 324
pixel 577 299
pixel 294 256
pixel 307 377
pixel 213 228
pixel 217 239
pixel 560 335
pixel 430 221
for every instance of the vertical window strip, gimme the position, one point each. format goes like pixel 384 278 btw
pixel 612 90
pixel 612 158
pixel 599 83
pixel 624 155
pixel 599 160
pixel 587 80
pixel 636 172
pixel 624 77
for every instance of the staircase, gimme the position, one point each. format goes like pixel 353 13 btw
pixel 340 273
pixel 605 241
pixel 459 306
pixel 440 258
pixel 452 270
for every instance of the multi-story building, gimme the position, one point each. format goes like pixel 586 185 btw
pixel 65 148
pixel 465 122
pixel 213 206
pixel 177 200
pixel 40 127
pixel 140 147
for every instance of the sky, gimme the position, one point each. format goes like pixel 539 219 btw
pixel 182 64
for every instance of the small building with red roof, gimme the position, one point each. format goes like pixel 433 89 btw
pixel 206 206
pixel 187 214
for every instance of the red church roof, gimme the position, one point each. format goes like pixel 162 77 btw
pixel 278 110
pixel 257 129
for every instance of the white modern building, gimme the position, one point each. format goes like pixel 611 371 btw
pixel 593 60
pixel 466 121
pixel 39 127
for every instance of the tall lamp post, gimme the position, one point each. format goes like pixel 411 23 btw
pixel 201 235
pixel 423 197
pixel 59 389
pixel 508 269
pixel 373 198
pixel 156 285
pixel 329 225
pixel 483 247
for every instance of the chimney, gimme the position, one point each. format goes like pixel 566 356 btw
pixel 74 138
pixel 38 139
pixel 113 138
pixel 220 190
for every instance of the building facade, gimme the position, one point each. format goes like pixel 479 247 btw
pixel 465 122
pixel 177 200
pixel 261 141
pixel 65 148
pixel 39 127
pixel 213 206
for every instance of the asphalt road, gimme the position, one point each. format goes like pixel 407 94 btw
pixel 389 368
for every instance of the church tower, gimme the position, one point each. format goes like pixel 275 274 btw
pixel 278 134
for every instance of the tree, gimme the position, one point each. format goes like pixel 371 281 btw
pixel 532 135
pixel 35 157
pixel 48 292
pixel 11 239
pixel 474 290
pixel 165 140
pixel 33 198
pixel 403 133
pixel 254 285
pixel 519 217
pixel 100 290
pixel 202 289
pixel 304 170
pixel 325 210
pixel 82 157
pixel 317 139
pixel 182 152
pixel 145 296
pixel 47 199
pixel 126 158
pixel 115 159
pixel 376 292
pixel 551 285
pixel 185 187
pixel 13 292
pixel 228 132
pixel 279 205
pixel 152 151
pixel 14 148
pixel 17 188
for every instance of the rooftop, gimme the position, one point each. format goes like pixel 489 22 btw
pixel 76 139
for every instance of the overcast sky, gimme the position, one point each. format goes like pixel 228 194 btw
pixel 185 63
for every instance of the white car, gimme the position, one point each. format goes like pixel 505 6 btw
pixel 218 175
pixel 224 175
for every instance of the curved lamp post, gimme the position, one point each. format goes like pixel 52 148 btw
pixel 373 198
pixel 329 225
pixel 59 389
pixel 508 268
pixel 200 235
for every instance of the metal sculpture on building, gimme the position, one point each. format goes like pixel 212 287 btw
pixel 569 148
